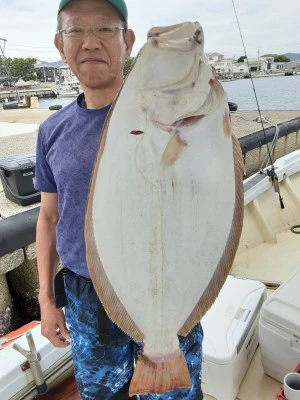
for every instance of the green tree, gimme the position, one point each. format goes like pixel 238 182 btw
pixel 241 59
pixel 21 68
pixel 281 58
pixel 127 65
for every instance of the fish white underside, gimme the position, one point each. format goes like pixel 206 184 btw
pixel 160 232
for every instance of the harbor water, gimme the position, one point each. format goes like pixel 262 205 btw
pixel 274 93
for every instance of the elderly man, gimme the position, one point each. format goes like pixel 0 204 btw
pixel 93 39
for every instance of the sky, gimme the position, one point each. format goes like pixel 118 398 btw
pixel 268 26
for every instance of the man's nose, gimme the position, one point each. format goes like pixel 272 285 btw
pixel 91 41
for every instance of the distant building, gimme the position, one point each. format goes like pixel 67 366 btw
pixel 66 75
pixel 240 70
pixel 260 64
pixel 47 72
pixel 227 68
pixel 213 58
pixel 292 66
pixel 278 66
pixel 224 66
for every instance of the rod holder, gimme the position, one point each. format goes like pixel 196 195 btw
pixel 33 359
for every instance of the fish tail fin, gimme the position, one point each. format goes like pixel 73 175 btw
pixel 160 376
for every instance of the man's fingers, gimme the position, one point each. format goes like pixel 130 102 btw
pixel 64 333
pixel 54 328
pixel 56 338
pixel 59 341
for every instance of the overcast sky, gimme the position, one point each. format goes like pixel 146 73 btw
pixel 268 26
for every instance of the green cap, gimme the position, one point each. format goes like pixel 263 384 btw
pixel 119 4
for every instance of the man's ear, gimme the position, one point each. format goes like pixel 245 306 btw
pixel 59 44
pixel 129 40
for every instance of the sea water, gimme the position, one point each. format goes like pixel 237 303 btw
pixel 273 93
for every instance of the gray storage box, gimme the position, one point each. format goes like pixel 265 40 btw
pixel 17 174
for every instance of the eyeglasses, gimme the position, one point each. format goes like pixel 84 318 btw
pixel 80 32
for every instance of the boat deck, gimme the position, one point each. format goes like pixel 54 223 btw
pixel 256 385
pixel 65 391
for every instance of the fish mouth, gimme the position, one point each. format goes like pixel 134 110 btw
pixel 182 37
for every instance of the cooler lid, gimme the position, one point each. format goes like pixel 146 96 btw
pixel 282 308
pixel 18 161
pixel 228 322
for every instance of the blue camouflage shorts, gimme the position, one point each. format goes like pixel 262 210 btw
pixel 103 363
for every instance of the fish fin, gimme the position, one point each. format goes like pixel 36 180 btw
pixel 214 99
pixel 188 121
pixel 160 376
pixel 173 150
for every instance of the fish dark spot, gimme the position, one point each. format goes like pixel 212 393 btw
pixel 197 36
pixel 193 84
pixel 137 132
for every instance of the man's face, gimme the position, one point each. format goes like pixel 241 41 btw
pixel 97 63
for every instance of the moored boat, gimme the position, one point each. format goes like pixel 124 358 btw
pixel 67 89
pixel 268 253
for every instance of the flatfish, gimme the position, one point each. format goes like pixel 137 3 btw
pixel 165 207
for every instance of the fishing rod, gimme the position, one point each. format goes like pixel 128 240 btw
pixel 270 171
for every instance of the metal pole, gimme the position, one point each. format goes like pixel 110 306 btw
pixel 7 69
pixel 34 364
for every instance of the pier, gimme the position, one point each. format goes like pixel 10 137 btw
pixel 12 94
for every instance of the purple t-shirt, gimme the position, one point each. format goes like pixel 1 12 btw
pixel 66 150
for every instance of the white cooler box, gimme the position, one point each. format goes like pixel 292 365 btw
pixel 230 336
pixel 279 329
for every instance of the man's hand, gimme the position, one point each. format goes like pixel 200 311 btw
pixel 54 325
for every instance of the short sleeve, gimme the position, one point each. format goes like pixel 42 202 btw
pixel 44 179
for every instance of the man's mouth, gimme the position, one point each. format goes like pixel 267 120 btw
pixel 92 60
